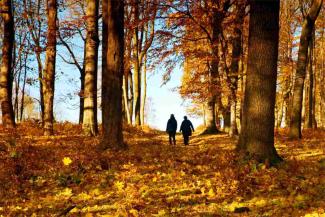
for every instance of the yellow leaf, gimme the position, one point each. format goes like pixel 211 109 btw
pixel 67 192
pixel 134 212
pixel 95 192
pixel 67 161
pixel 89 215
pixel 211 193
pixel 119 185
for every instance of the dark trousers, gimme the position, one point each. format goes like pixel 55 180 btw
pixel 186 138
pixel 172 138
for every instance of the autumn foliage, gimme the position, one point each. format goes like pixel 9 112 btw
pixel 63 175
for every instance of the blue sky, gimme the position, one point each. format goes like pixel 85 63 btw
pixel 163 100
pixel 167 101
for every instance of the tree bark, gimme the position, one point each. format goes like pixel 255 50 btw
pixel 234 67
pixel 22 103
pixel 6 76
pixel 136 66
pixel 311 90
pixel 305 37
pixel 258 131
pixel 113 55
pixel 144 93
pixel 49 72
pixel 125 98
pixel 36 36
pixel 91 58
pixel 213 74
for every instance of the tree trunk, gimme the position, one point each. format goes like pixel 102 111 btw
pixel 311 112
pixel 233 123
pixel 6 76
pixel 144 93
pixel 22 103
pixel 204 116
pixel 49 72
pixel 113 55
pixel 213 74
pixel 136 66
pixel 306 34
pixel 131 97
pixel 91 58
pixel 227 118
pixel 234 67
pixel 258 131
pixel 125 98
pixel 40 79
pixel 137 92
pixel 82 93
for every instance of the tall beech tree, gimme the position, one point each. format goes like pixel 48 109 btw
pixel 6 76
pixel 257 135
pixel 144 23
pixel 305 38
pixel 112 73
pixel 91 58
pixel 49 71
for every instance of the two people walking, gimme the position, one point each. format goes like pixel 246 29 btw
pixel 186 129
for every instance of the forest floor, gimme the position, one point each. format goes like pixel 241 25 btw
pixel 63 175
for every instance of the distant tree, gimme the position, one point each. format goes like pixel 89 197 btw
pixel 112 73
pixel 91 59
pixel 35 16
pixel 72 27
pixel 6 76
pixel 257 134
pixel 305 38
pixel 49 71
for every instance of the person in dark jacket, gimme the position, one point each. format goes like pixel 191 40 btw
pixel 171 129
pixel 186 129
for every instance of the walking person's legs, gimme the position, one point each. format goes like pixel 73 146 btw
pixel 174 138
pixel 170 137
pixel 186 138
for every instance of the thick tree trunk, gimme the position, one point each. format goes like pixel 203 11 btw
pixel 311 116
pixel 306 34
pixel 258 131
pixel 210 126
pixel 234 67
pixel 49 72
pixel 213 74
pixel 226 118
pixel 233 123
pixel 91 58
pixel 6 76
pixel 113 55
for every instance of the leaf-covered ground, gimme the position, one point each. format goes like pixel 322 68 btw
pixel 65 176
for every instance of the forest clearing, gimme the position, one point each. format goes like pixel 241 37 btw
pixel 63 176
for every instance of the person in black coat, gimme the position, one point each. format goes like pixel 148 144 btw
pixel 171 129
pixel 186 129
